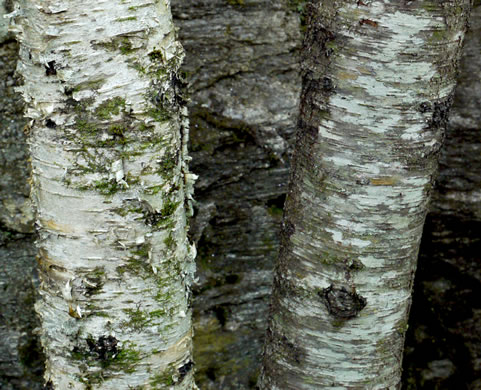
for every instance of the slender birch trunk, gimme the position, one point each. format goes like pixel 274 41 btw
pixel 378 77
pixel 111 187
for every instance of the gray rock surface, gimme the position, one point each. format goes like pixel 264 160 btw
pixel 241 66
pixel 21 360
pixel 20 357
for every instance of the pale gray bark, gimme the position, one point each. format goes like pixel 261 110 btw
pixel 377 83
pixel 107 133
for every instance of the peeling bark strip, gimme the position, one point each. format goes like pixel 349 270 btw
pixel 364 164
pixel 108 141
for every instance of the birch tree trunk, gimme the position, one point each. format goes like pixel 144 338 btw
pixel 110 183
pixel 378 78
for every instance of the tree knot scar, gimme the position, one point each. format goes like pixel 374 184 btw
pixel 424 107
pixel 184 369
pixel 50 68
pixel 50 124
pixel 327 84
pixel 440 112
pixel 341 303
pixel 104 348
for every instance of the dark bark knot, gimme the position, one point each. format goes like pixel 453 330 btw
pixel 440 112
pixel 50 69
pixel 104 348
pixel 341 303
pixel 184 370
pixel 50 124
pixel 327 84
pixel 424 107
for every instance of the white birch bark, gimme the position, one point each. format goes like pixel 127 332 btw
pixel 110 184
pixel 377 83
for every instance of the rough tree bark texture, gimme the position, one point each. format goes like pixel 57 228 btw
pixel 378 79
pixel 20 363
pixel 108 146
pixel 227 355
pixel 242 65
pixel 443 347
